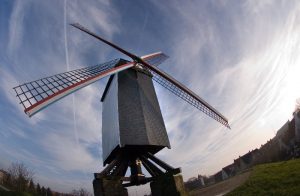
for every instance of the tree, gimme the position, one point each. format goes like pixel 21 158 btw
pixel 43 191
pixel 49 192
pixel 20 176
pixel 81 192
pixel 38 189
pixel 7 180
pixel 31 188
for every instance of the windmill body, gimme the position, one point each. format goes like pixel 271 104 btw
pixel 131 116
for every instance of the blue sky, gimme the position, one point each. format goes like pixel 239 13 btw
pixel 240 56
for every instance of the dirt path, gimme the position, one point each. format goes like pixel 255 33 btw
pixel 223 187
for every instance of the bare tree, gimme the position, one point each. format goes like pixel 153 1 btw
pixel 19 176
pixel 81 192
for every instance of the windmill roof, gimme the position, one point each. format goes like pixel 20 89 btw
pixel 120 62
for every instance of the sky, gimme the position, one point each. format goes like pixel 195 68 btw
pixel 242 57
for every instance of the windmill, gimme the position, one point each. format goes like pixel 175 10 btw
pixel 133 129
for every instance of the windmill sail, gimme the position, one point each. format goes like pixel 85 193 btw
pixel 167 81
pixel 155 59
pixel 187 95
pixel 82 28
pixel 38 94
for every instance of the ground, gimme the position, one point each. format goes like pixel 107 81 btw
pixel 222 187
pixel 281 178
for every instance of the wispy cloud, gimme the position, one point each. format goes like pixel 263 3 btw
pixel 251 91
pixel 66 154
pixel 52 131
pixel 16 26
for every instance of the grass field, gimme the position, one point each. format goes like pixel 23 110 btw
pixel 282 178
pixel 3 192
pixel 12 193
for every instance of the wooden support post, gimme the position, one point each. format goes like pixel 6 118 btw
pixel 168 184
pixel 109 186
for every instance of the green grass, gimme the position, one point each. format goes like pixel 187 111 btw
pixel 13 193
pixel 282 178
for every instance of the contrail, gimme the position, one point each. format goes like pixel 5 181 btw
pixel 68 69
pixel 142 30
pixel 73 96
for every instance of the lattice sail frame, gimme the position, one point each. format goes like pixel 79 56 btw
pixel 155 59
pixel 38 94
pixel 194 101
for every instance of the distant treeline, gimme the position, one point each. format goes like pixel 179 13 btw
pixel 18 178
pixel 284 146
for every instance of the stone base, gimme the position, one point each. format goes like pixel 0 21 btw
pixel 109 186
pixel 168 184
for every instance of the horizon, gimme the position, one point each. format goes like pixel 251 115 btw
pixel 242 58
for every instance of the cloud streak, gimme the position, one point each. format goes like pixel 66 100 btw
pixel 16 26
pixel 253 88
pixel 52 131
